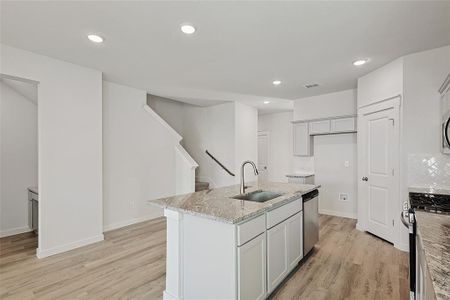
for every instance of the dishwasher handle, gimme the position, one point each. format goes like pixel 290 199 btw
pixel 311 195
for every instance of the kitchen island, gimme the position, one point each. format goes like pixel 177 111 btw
pixel 219 247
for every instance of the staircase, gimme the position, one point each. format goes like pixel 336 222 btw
pixel 201 186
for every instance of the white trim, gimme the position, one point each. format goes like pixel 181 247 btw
pixel 69 246
pixel 193 164
pixel 121 224
pixel 359 227
pixel 14 231
pixel 338 213
pixel 169 296
pixel 162 122
pixel 402 246
pixel 395 103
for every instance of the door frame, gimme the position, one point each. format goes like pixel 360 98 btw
pixel 395 204
pixel 267 134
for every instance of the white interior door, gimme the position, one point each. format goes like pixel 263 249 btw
pixel 379 163
pixel 263 156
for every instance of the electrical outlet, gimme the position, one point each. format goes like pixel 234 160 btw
pixel 343 197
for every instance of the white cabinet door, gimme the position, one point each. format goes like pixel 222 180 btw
pixel 277 268
pixel 319 127
pixel 302 140
pixel 343 125
pixel 252 269
pixel 294 226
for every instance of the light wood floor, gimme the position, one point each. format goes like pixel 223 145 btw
pixel 130 264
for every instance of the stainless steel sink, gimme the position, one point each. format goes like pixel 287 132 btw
pixel 258 196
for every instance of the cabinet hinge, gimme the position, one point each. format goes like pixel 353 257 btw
pixel 393 222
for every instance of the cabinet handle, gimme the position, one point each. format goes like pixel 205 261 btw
pixel 365 178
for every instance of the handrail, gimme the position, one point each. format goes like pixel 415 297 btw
pixel 219 163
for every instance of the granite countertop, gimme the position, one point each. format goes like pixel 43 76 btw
pixel 300 174
pixel 434 233
pixel 218 205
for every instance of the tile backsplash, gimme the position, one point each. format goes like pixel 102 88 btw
pixel 427 170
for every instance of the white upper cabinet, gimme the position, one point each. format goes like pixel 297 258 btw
pixel 302 140
pixel 343 125
pixel 319 127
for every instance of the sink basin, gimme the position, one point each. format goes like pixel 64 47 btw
pixel 258 196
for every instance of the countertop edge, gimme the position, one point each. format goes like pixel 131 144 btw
pixel 240 219
pixel 438 292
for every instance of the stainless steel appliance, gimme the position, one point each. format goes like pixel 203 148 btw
pixel 433 203
pixel 446 133
pixel 310 220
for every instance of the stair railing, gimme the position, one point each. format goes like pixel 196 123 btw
pixel 219 163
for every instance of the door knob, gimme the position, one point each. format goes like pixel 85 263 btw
pixel 365 179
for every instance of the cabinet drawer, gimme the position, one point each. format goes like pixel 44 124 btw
pixel 319 127
pixel 248 230
pixel 282 213
pixel 343 125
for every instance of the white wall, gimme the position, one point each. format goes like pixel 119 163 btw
pixel 280 146
pixel 139 158
pixel 327 105
pixel 18 158
pixel 416 78
pixel 228 131
pixel 330 154
pixel 170 110
pixel 424 72
pixel 341 103
pixel 70 148
pixel 246 140
pixel 211 128
pixel 381 84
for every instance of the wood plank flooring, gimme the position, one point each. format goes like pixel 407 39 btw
pixel 130 264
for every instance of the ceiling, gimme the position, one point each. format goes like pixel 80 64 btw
pixel 239 48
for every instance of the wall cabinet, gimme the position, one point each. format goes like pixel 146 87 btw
pixel 304 130
pixel 343 125
pixel 302 139
pixel 284 249
pixel 319 127
pixel 252 268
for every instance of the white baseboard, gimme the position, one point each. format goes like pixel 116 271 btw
pixel 14 231
pixel 402 246
pixel 168 296
pixel 359 227
pixel 337 213
pixel 121 224
pixel 41 253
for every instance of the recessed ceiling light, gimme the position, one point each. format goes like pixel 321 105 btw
pixel 187 28
pixel 266 102
pixel 95 38
pixel 276 82
pixel 360 62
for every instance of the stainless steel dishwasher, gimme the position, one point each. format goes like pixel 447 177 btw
pixel 310 220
